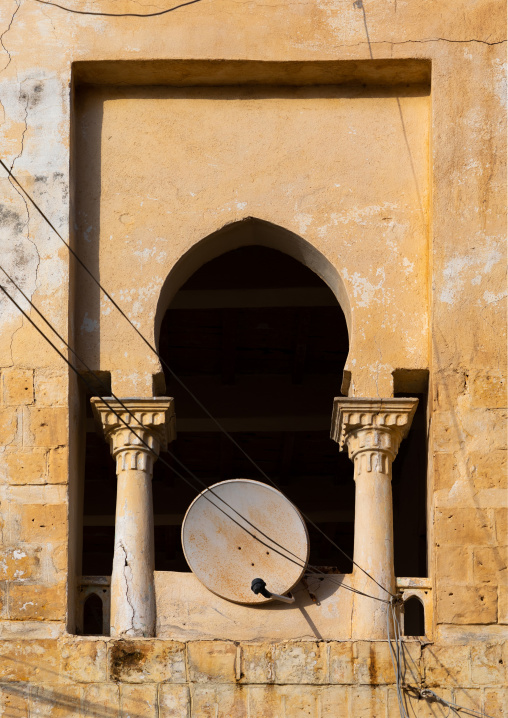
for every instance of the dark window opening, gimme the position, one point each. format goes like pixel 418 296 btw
pixel 99 503
pixel 262 342
pixel 414 617
pixel 409 488
pixel 92 616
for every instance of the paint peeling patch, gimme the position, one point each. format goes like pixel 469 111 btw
pixel 304 220
pixel 41 91
pixel 145 254
pixel 364 291
pixel 455 268
pixel 408 266
pixel 500 82
pixel 89 325
pixel 491 298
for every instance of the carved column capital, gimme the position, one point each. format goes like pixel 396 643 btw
pixel 373 428
pixel 150 428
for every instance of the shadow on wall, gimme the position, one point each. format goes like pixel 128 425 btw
pixel 16 697
pixel 87 119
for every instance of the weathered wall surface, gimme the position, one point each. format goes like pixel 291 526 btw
pixel 168 679
pixel 460 284
pixel 346 170
pixel 187 610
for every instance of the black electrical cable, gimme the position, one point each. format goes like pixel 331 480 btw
pixel 104 387
pixel 299 562
pixel 182 384
pixel 117 14
pixel 424 693
pixel 398 657
pixel 127 425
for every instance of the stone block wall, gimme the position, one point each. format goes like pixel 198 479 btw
pixel 469 499
pixel 33 501
pixel 146 678
pixel 459 208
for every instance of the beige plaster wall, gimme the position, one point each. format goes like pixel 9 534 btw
pixel 346 170
pixel 186 609
pixel 464 41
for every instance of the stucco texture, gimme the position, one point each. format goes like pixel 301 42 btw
pixel 369 138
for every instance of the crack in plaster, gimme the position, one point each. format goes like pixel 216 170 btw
pixel 48 17
pixel 127 569
pixel 360 5
pixel 437 39
pixel 18 5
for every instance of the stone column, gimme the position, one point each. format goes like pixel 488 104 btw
pixel 132 584
pixel 372 430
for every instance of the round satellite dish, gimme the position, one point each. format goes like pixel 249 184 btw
pixel 240 530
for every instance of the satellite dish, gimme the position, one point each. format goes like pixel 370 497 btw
pixel 240 530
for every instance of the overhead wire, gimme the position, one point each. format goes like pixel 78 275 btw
pixel 183 385
pixel 395 658
pixel 395 654
pixel 176 377
pixel 299 562
pixel 105 388
pixel 117 14
pixel 429 695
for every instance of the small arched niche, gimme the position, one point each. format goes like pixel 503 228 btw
pixel 261 339
pixel 93 611
pixel 414 617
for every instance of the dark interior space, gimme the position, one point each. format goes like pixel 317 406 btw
pixel 262 342
pixel 414 617
pixel 409 491
pixel 92 615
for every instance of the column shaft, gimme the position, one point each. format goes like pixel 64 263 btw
pixel 137 429
pixel 132 584
pixel 372 430
pixel 373 548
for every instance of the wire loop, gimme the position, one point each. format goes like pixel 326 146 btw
pixel 117 14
